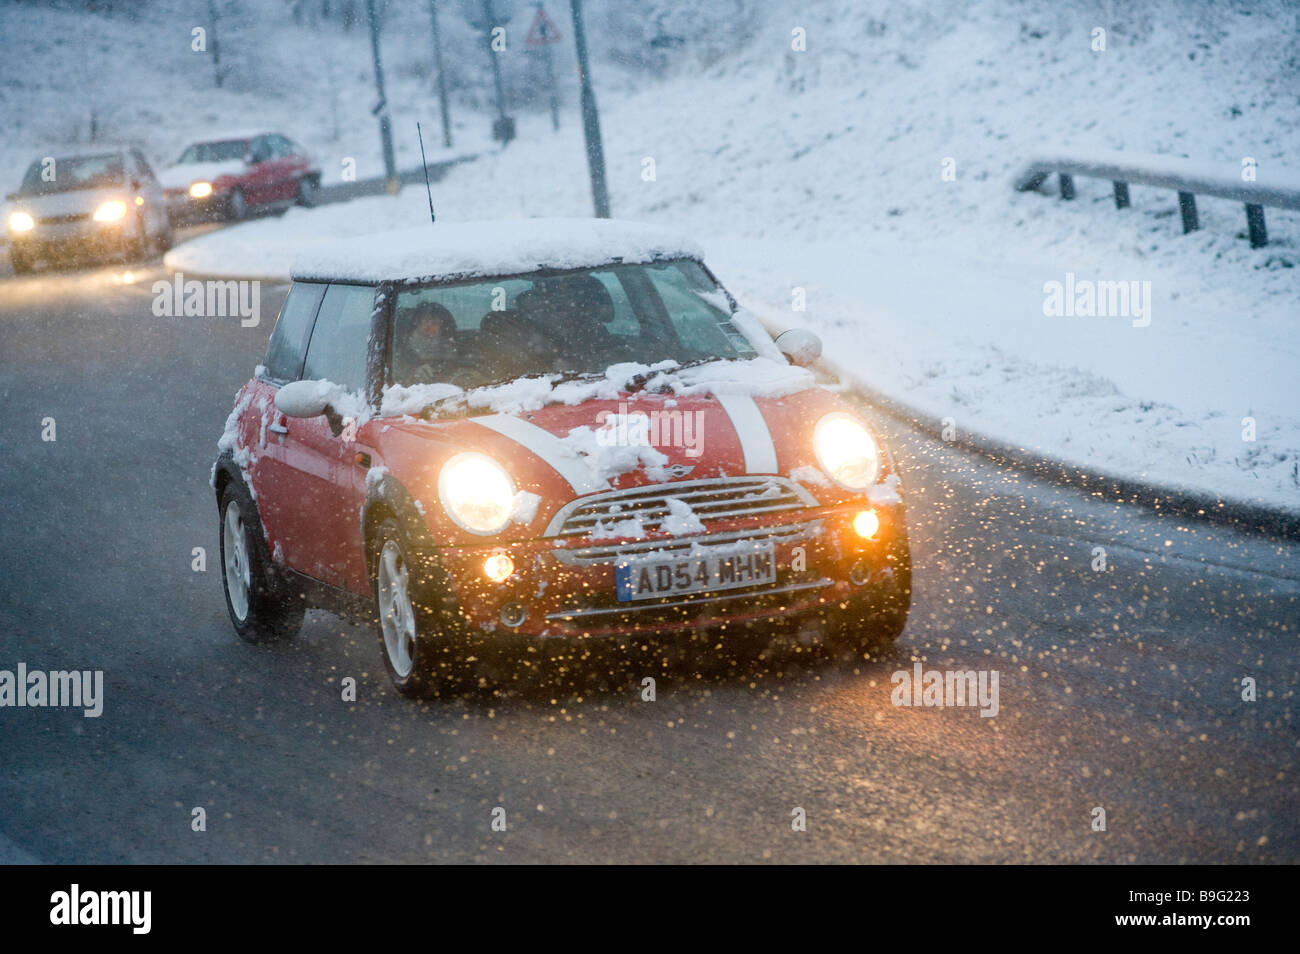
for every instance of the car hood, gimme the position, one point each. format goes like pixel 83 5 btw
pixel 184 175
pixel 562 452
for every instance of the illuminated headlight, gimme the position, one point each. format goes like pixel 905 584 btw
pixel 846 451
pixel 110 211
pixel 21 222
pixel 477 493
pixel 200 190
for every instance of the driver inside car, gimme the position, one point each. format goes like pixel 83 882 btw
pixel 430 347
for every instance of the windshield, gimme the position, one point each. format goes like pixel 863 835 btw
pixel 578 322
pixel 66 175
pixel 214 151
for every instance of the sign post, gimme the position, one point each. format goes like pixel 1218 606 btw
pixel 590 119
pixel 543 33
pixel 381 108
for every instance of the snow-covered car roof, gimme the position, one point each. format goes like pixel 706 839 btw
pixel 453 250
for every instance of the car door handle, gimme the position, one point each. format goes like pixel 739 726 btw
pixel 278 429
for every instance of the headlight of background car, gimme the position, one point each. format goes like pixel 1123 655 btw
pixel 477 493
pixel 21 222
pixel 200 190
pixel 110 211
pixel 846 451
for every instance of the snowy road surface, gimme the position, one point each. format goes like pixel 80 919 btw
pixel 1119 689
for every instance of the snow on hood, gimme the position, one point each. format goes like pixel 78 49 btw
pixel 183 175
pixel 485 249
pixel 758 377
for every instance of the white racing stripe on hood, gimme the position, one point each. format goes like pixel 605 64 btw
pixel 549 448
pixel 751 428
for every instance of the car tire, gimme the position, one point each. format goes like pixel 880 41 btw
pixel 874 623
pixel 236 206
pixel 423 652
pixel 22 264
pixel 164 239
pixel 307 187
pixel 261 610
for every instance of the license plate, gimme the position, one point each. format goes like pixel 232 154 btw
pixel 650 577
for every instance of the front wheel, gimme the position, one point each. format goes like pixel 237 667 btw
pixel 307 192
pixel 875 620
pixel 261 611
pixel 422 651
pixel 236 206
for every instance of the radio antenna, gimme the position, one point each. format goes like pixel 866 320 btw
pixel 424 162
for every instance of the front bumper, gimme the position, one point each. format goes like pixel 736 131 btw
pixel 182 207
pixel 74 238
pixel 567 587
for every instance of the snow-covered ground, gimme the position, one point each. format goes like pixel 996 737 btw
pixel 817 175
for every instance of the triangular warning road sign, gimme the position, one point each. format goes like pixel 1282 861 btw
pixel 542 31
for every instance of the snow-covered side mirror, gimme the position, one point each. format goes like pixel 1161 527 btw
pixel 302 399
pixel 800 346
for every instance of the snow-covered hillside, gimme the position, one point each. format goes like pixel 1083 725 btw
pixel 817 175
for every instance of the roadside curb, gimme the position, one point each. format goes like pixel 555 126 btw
pixel 1223 511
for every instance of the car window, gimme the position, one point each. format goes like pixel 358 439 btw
pixel 260 150
pixel 699 310
pixel 225 151
pixel 280 147
pixel 337 351
pixel 288 343
pixel 475 333
pixel 80 172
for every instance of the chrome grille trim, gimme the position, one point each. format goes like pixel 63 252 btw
pixel 611 553
pixel 716 498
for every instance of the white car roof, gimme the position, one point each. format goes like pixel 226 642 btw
pixel 450 250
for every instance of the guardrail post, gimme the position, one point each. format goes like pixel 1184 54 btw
pixel 1255 225
pixel 1067 186
pixel 1187 206
pixel 1121 195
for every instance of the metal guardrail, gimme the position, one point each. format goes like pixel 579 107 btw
pixel 1186 177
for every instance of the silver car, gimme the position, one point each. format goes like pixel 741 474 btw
pixel 102 204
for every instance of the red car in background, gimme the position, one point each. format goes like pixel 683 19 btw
pixel 231 177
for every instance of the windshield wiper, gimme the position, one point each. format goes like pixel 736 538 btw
pixel 638 382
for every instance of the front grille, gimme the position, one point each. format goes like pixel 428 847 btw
pixel 611 553
pixel 718 498
pixel 63 219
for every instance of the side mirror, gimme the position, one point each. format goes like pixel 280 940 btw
pixel 11 197
pixel 800 346
pixel 302 399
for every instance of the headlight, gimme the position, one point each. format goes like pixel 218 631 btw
pixel 200 190
pixel 477 493
pixel 21 222
pixel 846 451
pixel 110 211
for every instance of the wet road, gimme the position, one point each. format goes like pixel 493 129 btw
pixel 1119 690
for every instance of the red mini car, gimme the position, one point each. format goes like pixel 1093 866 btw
pixel 543 430
pixel 229 178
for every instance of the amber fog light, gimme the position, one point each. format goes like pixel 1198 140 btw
pixel 512 614
pixel 860 573
pixel 866 524
pixel 498 567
